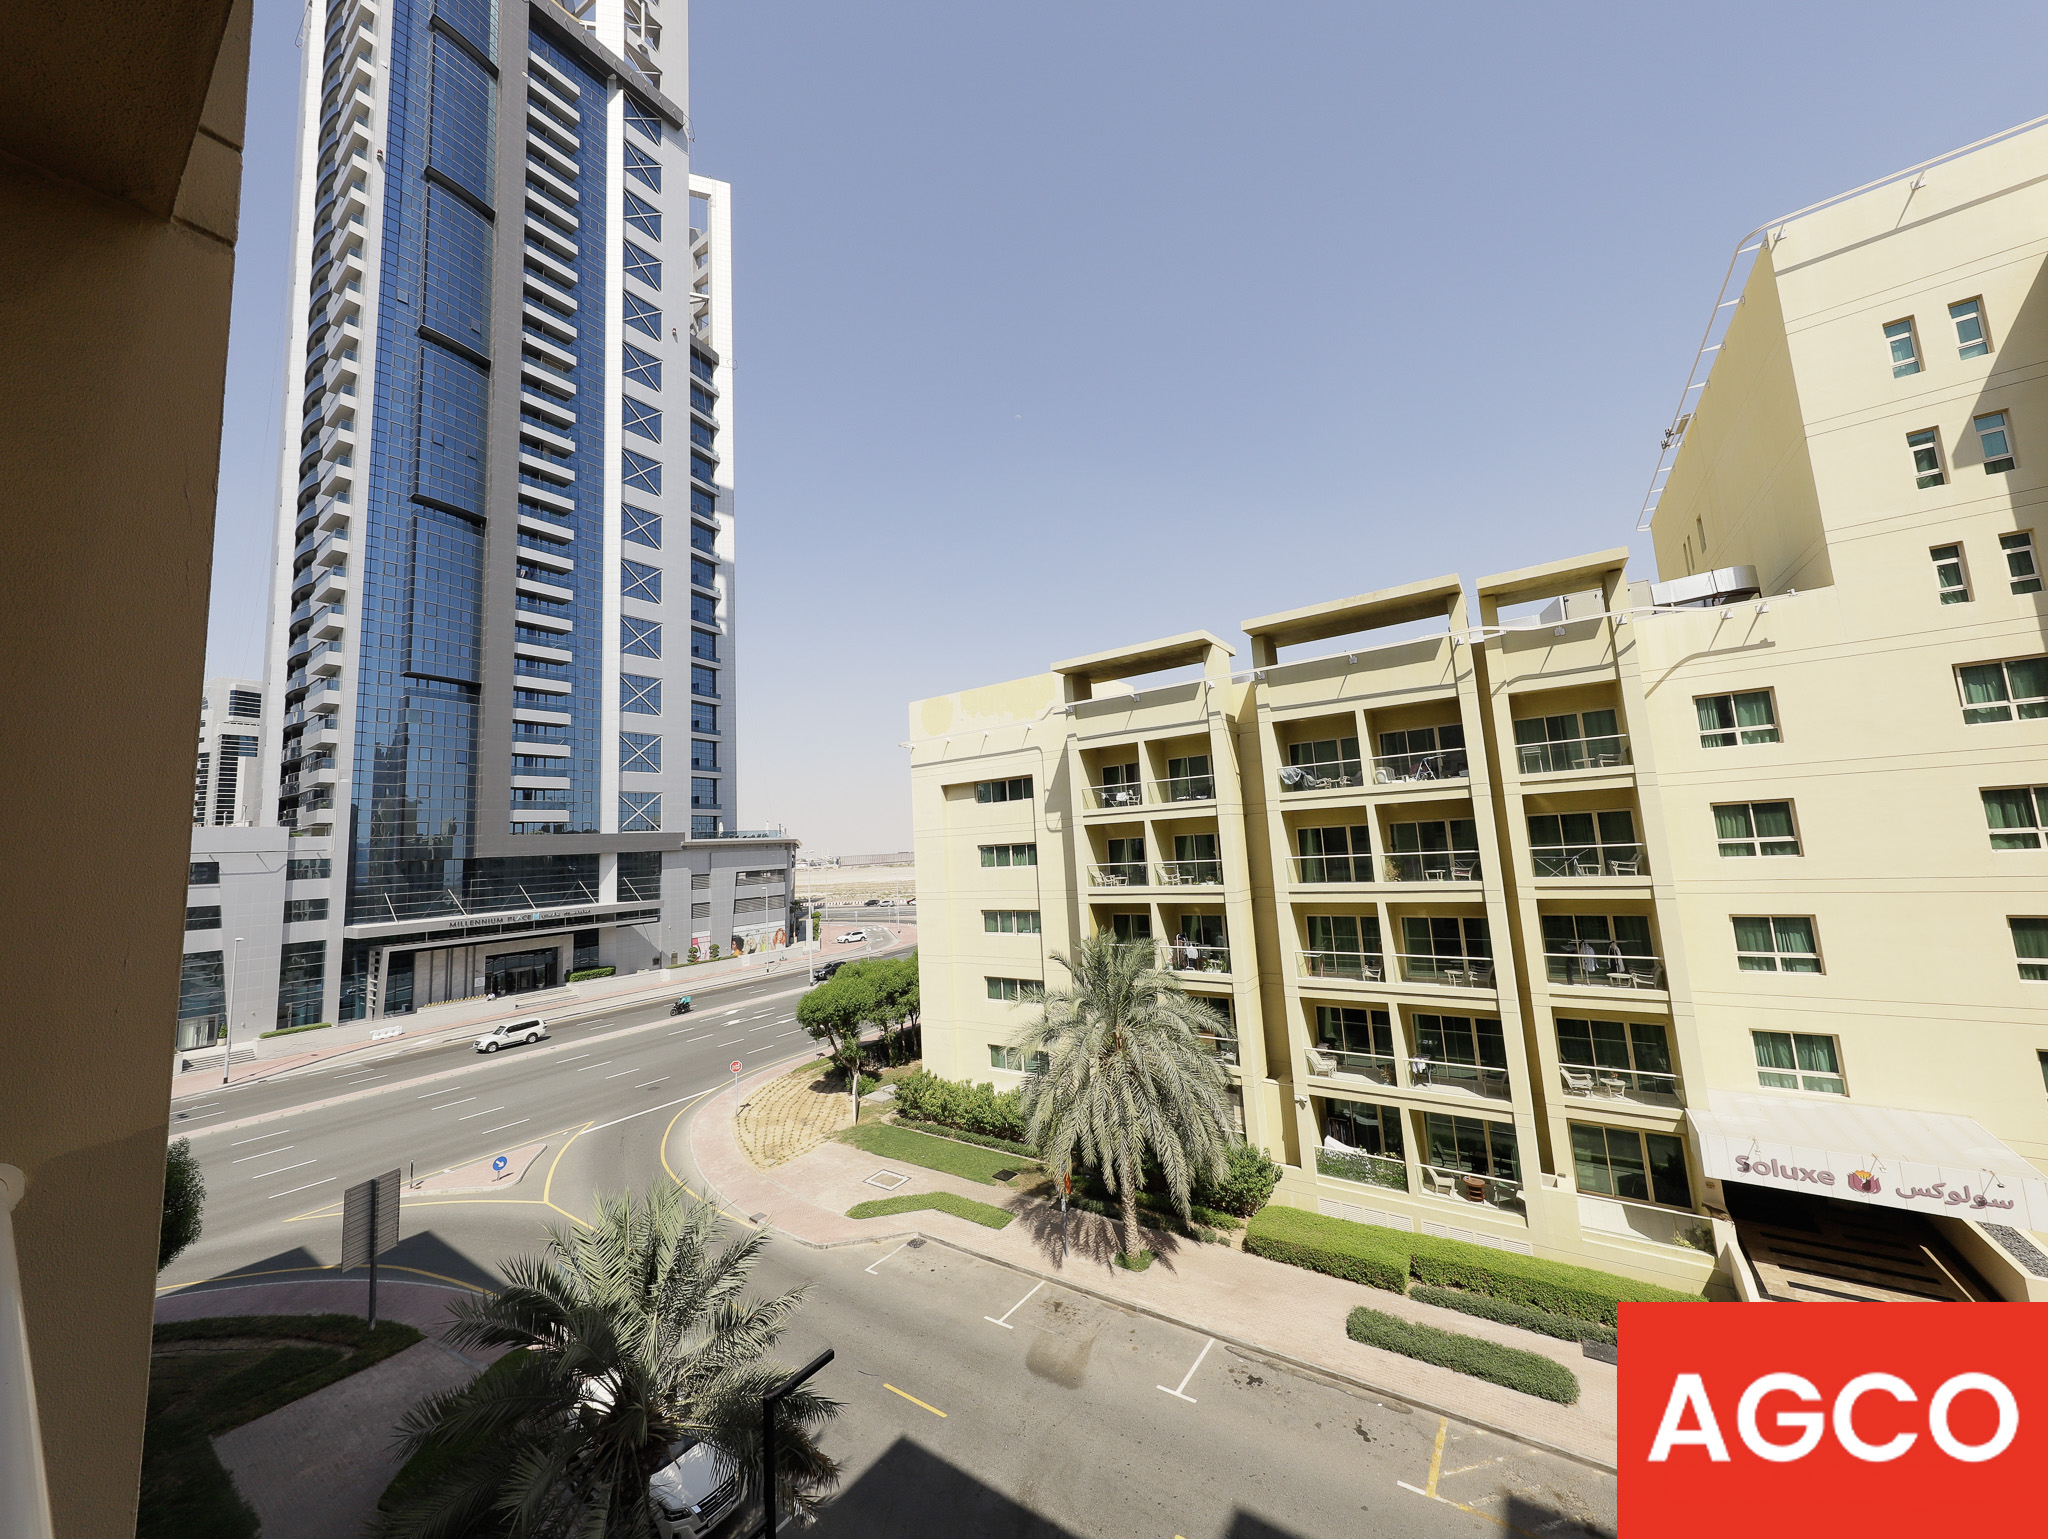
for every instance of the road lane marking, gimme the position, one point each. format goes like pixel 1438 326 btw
pixel 589 1066
pixel 735 1042
pixel 870 1269
pixel 620 1075
pixel 502 1126
pixel 263 1154
pixel 664 1106
pixel 484 1113
pixel 1190 1399
pixel 352 1083
pixel 306 1188
pixel 1005 1321
pixel 574 1056
pixel 300 1165
pixel 662 1081
pixel 258 1138
pixel 892 1389
pixel 444 1090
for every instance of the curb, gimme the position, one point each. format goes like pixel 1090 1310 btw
pixel 1313 1370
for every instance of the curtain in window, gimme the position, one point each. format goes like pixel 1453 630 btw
pixel 1773 819
pixel 1751 710
pixel 2011 809
pixel 1795 936
pixel 1983 684
pixel 2028 679
pixel 1817 1054
pixel 1632 934
pixel 1711 717
pixel 2030 938
pixel 1773 1049
pixel 1753 935
pixel 1733 823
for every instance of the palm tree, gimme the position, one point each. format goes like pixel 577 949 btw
pixel 639 1341
pixel 1124 1075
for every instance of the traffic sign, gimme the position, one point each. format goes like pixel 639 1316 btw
pixel 369 1226
pixel 735 1066
pixel 500 1163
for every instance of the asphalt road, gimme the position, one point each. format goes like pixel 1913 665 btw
pixel 977 1401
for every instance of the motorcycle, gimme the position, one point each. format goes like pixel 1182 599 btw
pixel 681 1006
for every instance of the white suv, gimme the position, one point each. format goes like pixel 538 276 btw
pixel 688 1495
pixel 511 1035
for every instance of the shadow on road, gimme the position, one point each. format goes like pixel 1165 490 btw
pixel 1531 1517
pixel 423 1257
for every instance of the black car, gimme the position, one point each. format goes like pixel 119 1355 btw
pixel 820 974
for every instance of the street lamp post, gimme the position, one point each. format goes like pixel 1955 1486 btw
pixel 227 1041
pixel 768 1403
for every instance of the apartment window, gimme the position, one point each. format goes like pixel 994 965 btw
pixel 1925 447
pixel 1130 928
pixel 1948 574
pixel 1621 1162
pixel 301 980
pixel 640 752
pixel 642 264
pixel 704 793
pixel 641 120
pixel 205 873
pixel 640 315
pixel 1755 828
pixel 1470 1145
pixel 1335 854
pixel 1771 945
pixel 1994 691
pixel 639 812
pixel 638 581
pixel 1460 1051
pixel 304 910
pixel 640 472
pixel 1792 1060
pixel 639 694
pixel 703 573
pixel 640 526
pixel 1726 720
pixel 1014 989
pixel 203 917
pixel 1015 1059
pixel 1015 790
pixel 1010 921
pixel 1358 1030
pixel 2016 815
pixel 641 418
pixel 643 368
pixel 703 716
pixel 640 876
pixel 1188 779
pixel 1365 1128
pixel 2020 564
pixel 1423 753
pixel 1636 1054
pixel 317 869
pixel 1994 435
pixel 703 610
pixel 1330 761
pixel 703 681
pixel 2029 944
pixel 1585 844
pixel 642 215
pixel 643 166
pixel 1898 336
pixel 1573 740
pixel 1009 854
pixel 1589 948
pixel 703 755
pixel 639 638
pixel 1433 851
pixel 1123 863
pixel 1972 341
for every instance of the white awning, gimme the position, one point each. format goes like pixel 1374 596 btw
pixel 1924 1162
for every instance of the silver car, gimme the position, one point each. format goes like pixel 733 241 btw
pixel 511 1034
pixel 689 1498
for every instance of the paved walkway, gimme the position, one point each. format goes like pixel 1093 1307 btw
pixel 791 1115
pixel 1283 1311
pixel 315 1468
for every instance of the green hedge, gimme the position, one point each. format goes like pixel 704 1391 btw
pixel 1563 1327
pixel 1360 1253
pixel 1509 1366
pixel 1551 1286
pixel 583 973
pixel 292 1031
pixel 956 1104
pixel 944 1202
pixel 986 1140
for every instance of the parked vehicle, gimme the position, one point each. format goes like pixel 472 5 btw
pixel 511 1034
pixel 689 1498
pixel 872 903
pixel 681 1006
pixel 852 937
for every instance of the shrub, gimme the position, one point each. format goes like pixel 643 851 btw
pixel 1551 1286
pixel 1245 1185
pixel 941 1130
pixel 1563 1327
pixel 184 1203
pixel 1361 1253
pixel 944 1202
pixel 289 1031
pixel 582 973
pixel 1161 1216
pixel 1134 1261
pixel 1509 1366
pixel 956 1104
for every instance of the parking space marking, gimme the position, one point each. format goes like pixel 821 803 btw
pixel 892 1389
pixel 1005 1321
pixel 1176 1393
pixel 870 1269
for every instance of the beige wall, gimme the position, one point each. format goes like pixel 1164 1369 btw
pixel 119 184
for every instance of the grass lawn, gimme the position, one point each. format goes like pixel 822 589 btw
pixel 211 1376
pixel 894 1143
pixel 943 1202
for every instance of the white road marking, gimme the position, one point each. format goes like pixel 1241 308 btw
pixel 484 1113
pixel 665 1105
pixel 258 1138
pixel 734 1043
pixel 263 1154
pixel 444 1090
pixel 574 1056
pixel 885 1258
pixel 446 1104
pixel 501 1127
pixel 1190 1399
pixel 306 1188
pixel 282 1169
pixel 1005 1321
pixel 620 1075
pixel 352 1083
pixel 662 1081
pixel 589 1066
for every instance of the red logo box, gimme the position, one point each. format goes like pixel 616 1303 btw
pixel 1808 1421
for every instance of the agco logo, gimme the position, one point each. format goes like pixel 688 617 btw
pixel 1689 1396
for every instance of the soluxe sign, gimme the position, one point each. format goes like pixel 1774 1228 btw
pixel 1831 1419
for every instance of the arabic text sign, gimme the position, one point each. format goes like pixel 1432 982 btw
pixel 1830 1420
pixel 1874 1177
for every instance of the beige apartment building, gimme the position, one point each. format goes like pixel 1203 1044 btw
pixel 1693 929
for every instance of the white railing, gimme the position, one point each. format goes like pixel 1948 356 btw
pixel 1604 970
pixel 1330 1062
pixel 1332 868
pixel 1191 873
pixel 1357 1165
pixel 1189 958
pixel 1360 966
pixel 1573 753
pixel 1473 1186
pixel 1123 873
pixel 1439 764
pixel 1478 1079
pixel 1182 788
pixel 1224 1047
pixel 1642 1221
pixel 1327 776
pixel 1458 972
pixel 1588 860
pixel 1432 866
pixel 1621 1084
pixel 1128 794
pixel 26 1492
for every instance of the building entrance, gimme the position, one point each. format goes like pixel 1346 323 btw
pixel 1822 1250
pixel 521 972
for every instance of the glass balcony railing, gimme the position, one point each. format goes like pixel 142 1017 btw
pixel 1124 873
pixel 1432 866
pixel 1588 860
pixel 1183 788
pixel 1359 966
pixel 1576 753
pixel 1441 764
pixel 1120 794
pixel 1605 969
pixel 1456 972
pixel 1329 775
pixel 1474 1187
pixel 1191 873
pixel 1223 1046
pixel 1333 1062
pixel 1473 1078
pixel 1332 868
pixel 1368 1169
pixel 1651 1089
pixel 1186 957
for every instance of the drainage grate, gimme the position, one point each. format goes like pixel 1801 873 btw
pixel 887 1180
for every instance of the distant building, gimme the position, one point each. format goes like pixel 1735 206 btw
pixel 227 787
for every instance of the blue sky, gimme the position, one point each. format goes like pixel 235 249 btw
pixel 1063 326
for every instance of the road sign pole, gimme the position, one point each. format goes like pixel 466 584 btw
pixel 373 1256
pixel 735 1090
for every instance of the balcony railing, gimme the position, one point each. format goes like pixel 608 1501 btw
pixel 1603 971
pixel 1457 972
pixel 1129 873
pixel 1378 1068
pixel 1191 873
pixel 1474 1187
pixel 1124 794
pixel 1433 866
pixel 1588 860
pixel 1327 776
pixel 1441 764
pixel 1183 788
pixel 1621 1084
pixel 1575 753
pixel 1195 959
pixel 1370 1169
pixel 1360 966
pixel 1332 868
pixel 1224 1047
pixel 1475 1078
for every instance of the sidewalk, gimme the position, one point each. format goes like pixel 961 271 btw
pixel 468 1018
pixel 1264 1306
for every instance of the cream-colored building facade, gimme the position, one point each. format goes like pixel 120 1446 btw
pixel 1681 928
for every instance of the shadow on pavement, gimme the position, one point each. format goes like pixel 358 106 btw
pixel 423 1257
pixel 1086 1236
pixel 911 1491
pixel 1245 1526
pixel 1531 1517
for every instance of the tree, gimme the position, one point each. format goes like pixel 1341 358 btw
pixel 184 1203
pixel 639 1337
pixel 834 1013
pixel 1125 1077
